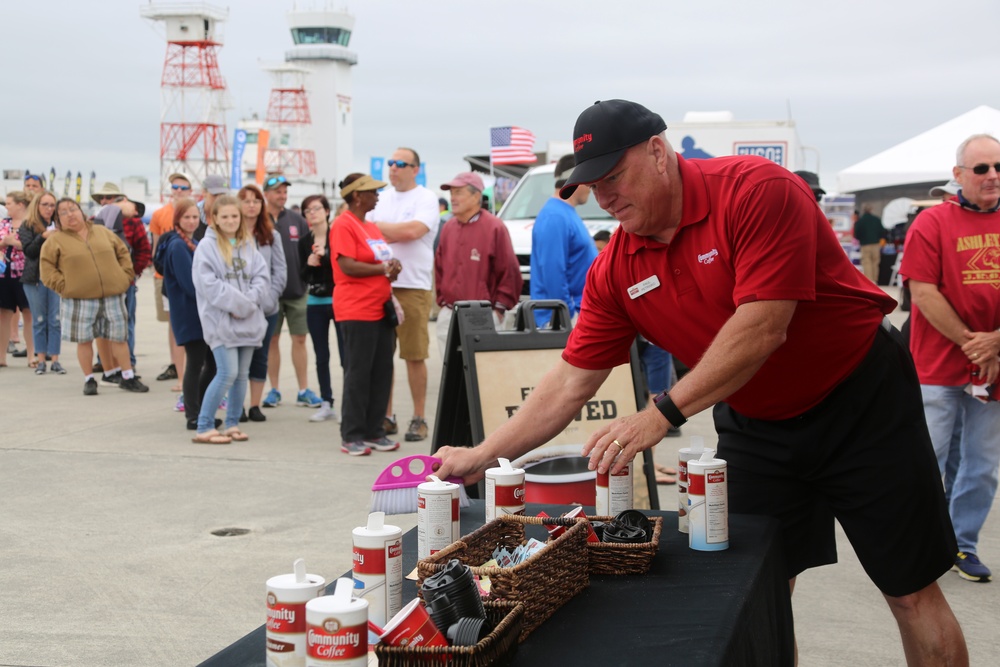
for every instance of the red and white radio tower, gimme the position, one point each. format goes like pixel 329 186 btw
pixel 192 110
pixel 287 118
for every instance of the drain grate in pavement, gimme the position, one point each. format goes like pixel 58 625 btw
pixel 230 532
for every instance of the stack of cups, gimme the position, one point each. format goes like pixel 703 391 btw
pixel 437 516
pixel 378 567
pixel 451 595
pixel 337 629
pixel 287 595
pixel 504 490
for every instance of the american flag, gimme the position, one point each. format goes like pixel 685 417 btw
pixel 511 145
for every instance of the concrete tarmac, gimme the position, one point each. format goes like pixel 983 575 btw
pixel 108 509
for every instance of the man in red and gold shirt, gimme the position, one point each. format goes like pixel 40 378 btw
pixel 952 267
pixel 730 265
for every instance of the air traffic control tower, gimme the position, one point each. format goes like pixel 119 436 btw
pixel 321 39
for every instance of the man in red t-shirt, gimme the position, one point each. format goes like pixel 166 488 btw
pixel 729 264
pixel 952 267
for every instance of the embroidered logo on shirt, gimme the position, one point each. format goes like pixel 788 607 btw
pixel 709 256
pixel 475 255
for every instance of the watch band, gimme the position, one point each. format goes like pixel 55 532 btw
pixel 666 406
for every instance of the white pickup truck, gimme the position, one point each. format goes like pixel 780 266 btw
pixel 522 206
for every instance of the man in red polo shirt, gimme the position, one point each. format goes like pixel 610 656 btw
pixel 729 264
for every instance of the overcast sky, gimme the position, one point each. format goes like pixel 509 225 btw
pixel 82 79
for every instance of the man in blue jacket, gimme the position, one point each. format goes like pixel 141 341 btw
pixel 561 247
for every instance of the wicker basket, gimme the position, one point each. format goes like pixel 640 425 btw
pixel 614 558
pixel 543 583
pixel 497 648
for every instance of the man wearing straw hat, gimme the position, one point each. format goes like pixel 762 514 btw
pixel 816 401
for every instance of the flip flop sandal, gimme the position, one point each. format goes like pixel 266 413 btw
pixel 211 438
pixel 236 434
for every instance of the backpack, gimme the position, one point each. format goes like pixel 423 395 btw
pixel 160 256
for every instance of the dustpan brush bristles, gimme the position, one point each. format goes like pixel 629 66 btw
pixel 395 489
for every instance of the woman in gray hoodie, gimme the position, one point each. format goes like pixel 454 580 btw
pixel 233 290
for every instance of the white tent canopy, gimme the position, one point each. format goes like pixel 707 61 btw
pixel 926 158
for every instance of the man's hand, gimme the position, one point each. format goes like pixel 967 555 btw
pixel 462 462
pixel 981 345
pixel 613 446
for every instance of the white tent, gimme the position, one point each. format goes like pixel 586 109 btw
pixel 926 158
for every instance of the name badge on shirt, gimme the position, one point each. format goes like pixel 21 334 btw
pixel 380 249
pixel 640 288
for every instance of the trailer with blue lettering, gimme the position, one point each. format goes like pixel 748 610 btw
pixel 705 134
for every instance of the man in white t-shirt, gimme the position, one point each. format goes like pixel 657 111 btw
pixel 407 215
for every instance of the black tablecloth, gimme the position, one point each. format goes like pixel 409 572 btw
pixel 692 608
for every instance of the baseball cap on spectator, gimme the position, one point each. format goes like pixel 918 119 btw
pixel 463 179
pixel 950 188
pixel 602 134
pixel 215 185
pixel 812 180
pixel 177 174
pixel 362 184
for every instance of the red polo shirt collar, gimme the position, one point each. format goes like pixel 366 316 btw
pixel 695 208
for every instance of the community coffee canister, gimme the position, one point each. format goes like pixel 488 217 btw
pixel 708 503
pixel 614 492
pixel 685 454
pixel 504 490
pixel 337 629
pixel 378 567
pixel 437 516
pixel 287 595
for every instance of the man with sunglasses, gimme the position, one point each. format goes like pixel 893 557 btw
pixel 407 215
pixel 161 222
pixel 33 185
pixel 952 267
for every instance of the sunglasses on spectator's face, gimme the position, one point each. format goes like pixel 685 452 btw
pixel 983 169
pixel 399 163
pixel 178 186
pixel 32 177
pixel 274 180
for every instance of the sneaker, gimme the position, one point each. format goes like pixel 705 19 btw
pixel 256 415
pixel 356 448
pixel 273 399
pixel 20 354
pixel 58 368
pixel 383 444
pixel 969 567
pixel 134 385
pixel 97 368
pixel 114 378
pixel 192 424
pixel 40 369
pixel 324 413
pixel 308 399
pixel 90 387
pixel 417 430
pixel 169 373
pixel 179 405
pixel 390 426
pixel 243 416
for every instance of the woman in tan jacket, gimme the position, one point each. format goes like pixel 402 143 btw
pixel 90 268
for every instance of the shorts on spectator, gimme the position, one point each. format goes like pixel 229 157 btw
pixel 414 341
pixel 294 310
pixel 83 320
pixel 162 314
pixel 12 295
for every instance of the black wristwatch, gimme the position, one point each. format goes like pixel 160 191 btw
pixel 666 406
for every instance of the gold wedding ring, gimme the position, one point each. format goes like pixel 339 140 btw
pixel 620 448
pixel 975 355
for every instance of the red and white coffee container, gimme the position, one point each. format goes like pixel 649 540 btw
pixel 437 516
pixel 286 599
pixel 504 490
pixel 614 492
pixel 708 503
pixel 378 567
pixel 685 454
pixel 337 629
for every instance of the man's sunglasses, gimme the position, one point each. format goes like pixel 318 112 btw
pixel 32 177
pixel 275 180
pixel 399 163
pixel 174 186
pixel 983 169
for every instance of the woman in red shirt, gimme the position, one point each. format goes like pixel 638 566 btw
pixel 363 270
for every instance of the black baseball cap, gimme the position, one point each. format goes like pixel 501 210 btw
pixel 602 134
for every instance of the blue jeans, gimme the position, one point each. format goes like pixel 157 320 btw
pixel 658 368
pixel 46 328
pixel 976 479
pixel 130 309
pixel 232 368
pixel 258 365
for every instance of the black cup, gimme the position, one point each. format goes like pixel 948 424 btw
pixel 467 631
pixel 456 584
pixel 620 533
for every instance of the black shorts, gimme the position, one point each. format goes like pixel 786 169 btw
pixel 862 456
pixel 12 295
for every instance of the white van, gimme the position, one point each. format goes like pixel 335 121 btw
pixel 522 206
